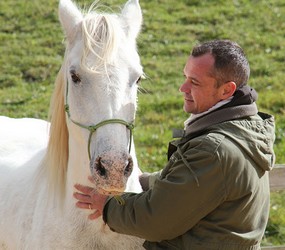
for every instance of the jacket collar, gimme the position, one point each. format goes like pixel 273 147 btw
pixel 221 115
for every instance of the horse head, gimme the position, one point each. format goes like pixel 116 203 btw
pixel 98 83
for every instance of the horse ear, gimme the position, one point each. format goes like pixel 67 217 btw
pixel 69 16
pixel 132 14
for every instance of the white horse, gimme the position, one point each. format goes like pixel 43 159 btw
pixel 92 113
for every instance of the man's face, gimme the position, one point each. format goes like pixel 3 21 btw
pixel 199 88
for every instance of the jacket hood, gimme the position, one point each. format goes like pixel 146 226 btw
pixel 255 135
pixel 242 96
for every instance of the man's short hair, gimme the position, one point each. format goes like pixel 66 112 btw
pixel 230 64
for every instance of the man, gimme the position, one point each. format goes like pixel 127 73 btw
pixel 214 191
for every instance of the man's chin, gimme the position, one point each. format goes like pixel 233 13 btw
pixel 189 110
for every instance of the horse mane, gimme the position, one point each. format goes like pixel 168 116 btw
pixel 56 158
pixel 100 35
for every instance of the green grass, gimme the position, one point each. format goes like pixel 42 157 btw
pixel 32 50
pixel 275 231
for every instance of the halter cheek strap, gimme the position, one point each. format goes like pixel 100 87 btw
pixel 93 128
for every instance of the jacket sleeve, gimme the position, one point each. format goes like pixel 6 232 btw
pixel 176 202
pixel 147 180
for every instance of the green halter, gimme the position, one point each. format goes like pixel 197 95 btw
pixel 93 128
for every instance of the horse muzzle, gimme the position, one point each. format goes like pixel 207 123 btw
pixel 110 172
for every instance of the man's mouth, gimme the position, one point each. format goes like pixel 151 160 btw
pixel 188 100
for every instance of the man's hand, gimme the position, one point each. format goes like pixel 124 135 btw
pixel 88 198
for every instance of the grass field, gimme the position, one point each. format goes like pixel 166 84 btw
pixel 32 50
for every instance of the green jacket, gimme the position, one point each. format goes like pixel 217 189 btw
pixel 214 191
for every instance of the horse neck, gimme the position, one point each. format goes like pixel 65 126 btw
pixel 78 164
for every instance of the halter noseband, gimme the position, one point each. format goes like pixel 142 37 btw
pixel 93 128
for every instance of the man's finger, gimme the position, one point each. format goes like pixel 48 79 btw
pixel 82 205
pixel 82 197
pixel 83 189
pixel 94 215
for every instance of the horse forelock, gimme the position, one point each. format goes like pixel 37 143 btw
pixel 101 35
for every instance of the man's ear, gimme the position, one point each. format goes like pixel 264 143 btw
pixel 228 90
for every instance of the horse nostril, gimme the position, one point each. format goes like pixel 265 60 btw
pixel 100 169
pixel 128 169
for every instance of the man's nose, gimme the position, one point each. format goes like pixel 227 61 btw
pixel 185 87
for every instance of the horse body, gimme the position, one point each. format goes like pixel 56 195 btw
pixel 20 140
pixel 92 110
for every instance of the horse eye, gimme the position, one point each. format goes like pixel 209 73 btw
pixel 75 77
